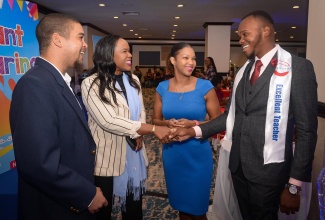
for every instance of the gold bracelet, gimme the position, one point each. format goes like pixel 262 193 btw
pixel 153 129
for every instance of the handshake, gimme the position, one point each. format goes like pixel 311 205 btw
pixel 176 130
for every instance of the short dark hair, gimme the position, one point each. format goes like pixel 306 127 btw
pixel 261 15
pixel 50 24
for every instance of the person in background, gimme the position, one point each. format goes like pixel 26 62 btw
pixel 138 73
pixel 113 99
pixel 158 76
pixel 211 69
pixel 274 94
pixel 54 149
pixel 149 79
pixel 217 83
pixel 184 101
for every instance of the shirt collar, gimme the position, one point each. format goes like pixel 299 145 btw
pixel 65 76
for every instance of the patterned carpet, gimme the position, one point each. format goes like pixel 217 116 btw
pixel 155 201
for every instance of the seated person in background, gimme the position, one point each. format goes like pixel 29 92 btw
pixel 137 72
pixel 217 83
pixel 148 79
pixel 158 76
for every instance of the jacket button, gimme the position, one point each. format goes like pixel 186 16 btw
pixel 246 114
pixel 93 152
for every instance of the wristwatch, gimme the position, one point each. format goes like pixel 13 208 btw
pixel 293 189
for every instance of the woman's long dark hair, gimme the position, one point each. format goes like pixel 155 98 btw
pixel 105 67
pixel 212 63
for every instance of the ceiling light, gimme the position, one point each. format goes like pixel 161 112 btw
pixel 101 5
pixel 140 37
pixel 172 38
pixel 136 34
pixel 130 13
pixel 115 17
pixel 180 6
pixel 131 30
pixel 291 37
pixel 274 32
pixel 173 35
pixel 236 32
pixel 124 25
pixel 277 40
pixel 177 17
pixel 293 27
pixel 174 31
pixel 175 25
pixel 296 6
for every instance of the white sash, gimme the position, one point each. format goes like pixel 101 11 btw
pixel 277 109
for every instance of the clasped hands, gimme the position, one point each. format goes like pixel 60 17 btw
pixel 177 130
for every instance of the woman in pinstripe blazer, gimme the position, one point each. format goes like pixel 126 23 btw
pixel 113 99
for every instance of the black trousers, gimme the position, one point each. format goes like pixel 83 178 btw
pixel 256 201
pixel 133 208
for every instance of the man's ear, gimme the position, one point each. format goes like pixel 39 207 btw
pixel 266 31
pixel 56 39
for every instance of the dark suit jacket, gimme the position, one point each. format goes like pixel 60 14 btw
pixel 53 147
pixel 249 128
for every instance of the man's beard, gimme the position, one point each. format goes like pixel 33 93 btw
pixel 78 66
pixel 251 55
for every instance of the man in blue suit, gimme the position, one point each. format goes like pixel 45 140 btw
pixel 274 94
pixel 53 146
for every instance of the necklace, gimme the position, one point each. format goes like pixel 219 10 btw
pixel 181 96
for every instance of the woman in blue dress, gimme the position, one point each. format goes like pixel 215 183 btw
pixel 184 101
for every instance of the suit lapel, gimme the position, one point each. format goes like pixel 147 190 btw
pixel 242 87
pixel 72 100
pixel 66 92
pixel 259 84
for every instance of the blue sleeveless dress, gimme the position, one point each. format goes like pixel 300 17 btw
pixel 188 164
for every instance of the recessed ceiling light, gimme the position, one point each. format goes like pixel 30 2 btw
pixel 177 17
pixel 296 6
pixel 291 37
pixel 115 17
pixel 131 30
pixel 237 32
pixel 172 38
pixel 136 34
pixel 277 40
pixel 175 25
pixel 101 5
pixel 173 35
pixel 124 25
pixel 274 32
pixel 140 37
pixel 293 27
pixel 174 31
pixel 180 6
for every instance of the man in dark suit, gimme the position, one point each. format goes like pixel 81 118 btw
pixel 261 118
pixel 53 146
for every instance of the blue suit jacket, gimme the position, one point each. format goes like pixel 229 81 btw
pixel 53 147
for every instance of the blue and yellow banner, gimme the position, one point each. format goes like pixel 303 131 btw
pixel 18 51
